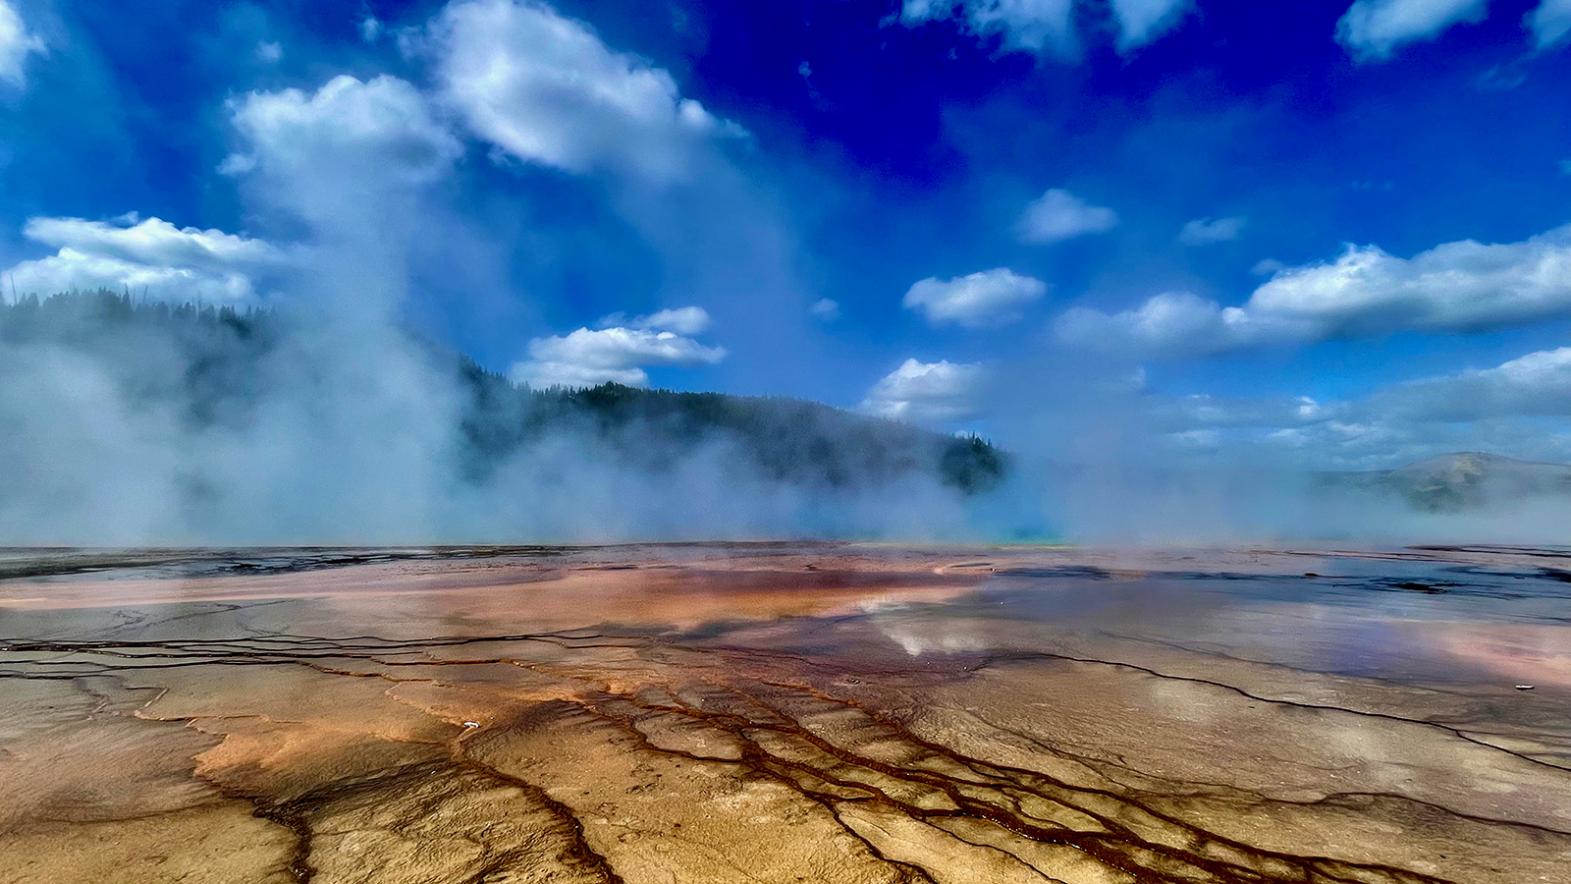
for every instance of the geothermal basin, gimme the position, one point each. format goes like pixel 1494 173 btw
pixel 784 713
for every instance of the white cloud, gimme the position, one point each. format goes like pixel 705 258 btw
pixel 1202 410
pixel 370 28
pixel 1457 286
pixel 16 44
pixel 72 270
pixel 978 300
pixel 1025 25
pixel 1549 22
pixel 1166 324
pixel 1347 444
pixel 1372 30
pixel 1535 385
pixel 384 120
pixel 545 89
pixel 826 309
pixel 1048 26
pixel 1194 440
pixel 682 320
pixel 151 257
pixel 1142 21
pixel 269 52
pixel 152 241
pixel 1500 408
pixel 1059 215
pixel 586 357
pixel 926 392
pixel 1205 231
pixel 1515 407
pixel 359 163
pixel 1454 286
pixel 340 152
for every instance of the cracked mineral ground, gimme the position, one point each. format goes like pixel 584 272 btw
pixel 785 712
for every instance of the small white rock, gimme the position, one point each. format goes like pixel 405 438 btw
pixel 1524 687
pixel 471 724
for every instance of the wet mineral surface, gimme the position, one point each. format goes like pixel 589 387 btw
pixel 780 712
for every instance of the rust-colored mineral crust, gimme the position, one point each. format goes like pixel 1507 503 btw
pixel 785 713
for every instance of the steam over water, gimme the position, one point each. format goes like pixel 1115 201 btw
pixel 144 424
pixel 137 425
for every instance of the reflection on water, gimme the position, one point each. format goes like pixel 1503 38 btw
pixel 1389 618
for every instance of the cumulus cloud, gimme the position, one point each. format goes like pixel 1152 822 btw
pixel 977 300
pixel 1059 215
pixel 1457 286
pixel 151 257
pixel 1354 444
pixel 1205 231
pixel 1306 430
pixel 1170 323
pixel 587 357
pixel 1372 30
pixel 927 392
pixel 1500 408
pixel 70 270
pixel 384 121
pixel 1202 410
pixel 1549 23
pixel 826 309
pixel 1535 385
pixel 342 151
pixel 1024 25
pixel 16 44
pixel 1142 21
pixel 682 320
pixel 152 241
pixel 1048 26
pixel 545 89
pixel 1454 286
pixel 355 169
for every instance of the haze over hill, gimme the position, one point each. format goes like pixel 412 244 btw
pixel 142 422
pixel 154 423
pixel 1467 480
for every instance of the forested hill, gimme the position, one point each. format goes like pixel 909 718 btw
pixel 203 362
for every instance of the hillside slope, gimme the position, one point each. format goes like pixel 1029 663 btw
pixel 1465 480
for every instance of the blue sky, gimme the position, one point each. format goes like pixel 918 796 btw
pixel 1324 234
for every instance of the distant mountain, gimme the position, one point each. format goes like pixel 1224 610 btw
pixel 215 366
pixel 1464 480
